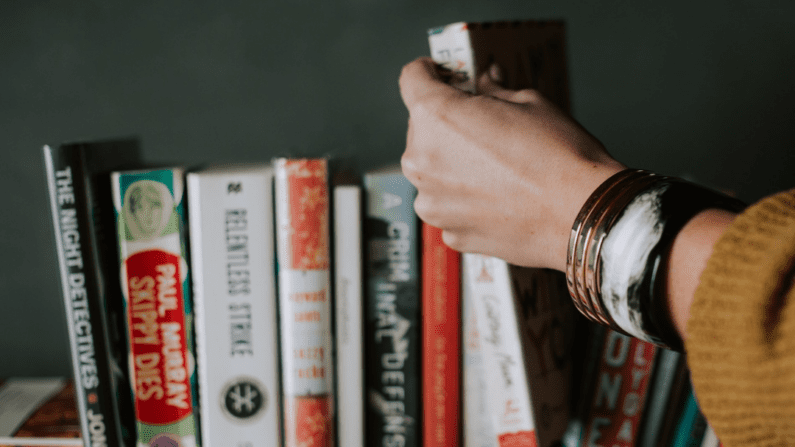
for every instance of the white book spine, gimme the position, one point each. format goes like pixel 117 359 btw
pixel 348 314
pixel 505 370
pixel 232 256
pixel 451 47
pixel 478 431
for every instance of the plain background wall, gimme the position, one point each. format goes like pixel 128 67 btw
pixel 702 89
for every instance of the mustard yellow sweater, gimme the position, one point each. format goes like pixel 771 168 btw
pixel 741 346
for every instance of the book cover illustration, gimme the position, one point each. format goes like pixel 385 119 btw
pixel 232 255
pixel 302 219
pixel 155 282
pixel 392 311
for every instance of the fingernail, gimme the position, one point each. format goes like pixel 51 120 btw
pixel 495 73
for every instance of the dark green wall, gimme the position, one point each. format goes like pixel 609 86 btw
pixel 703 91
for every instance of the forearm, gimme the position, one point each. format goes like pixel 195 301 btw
pixel 689 254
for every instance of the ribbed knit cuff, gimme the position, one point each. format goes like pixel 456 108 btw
pixel 741 332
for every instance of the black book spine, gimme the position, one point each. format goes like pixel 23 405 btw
pixel 69 189
pixel 392 309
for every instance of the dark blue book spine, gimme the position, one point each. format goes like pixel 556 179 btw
pixel 392 309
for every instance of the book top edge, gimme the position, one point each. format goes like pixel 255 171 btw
pixel 231 168
pixel 499 24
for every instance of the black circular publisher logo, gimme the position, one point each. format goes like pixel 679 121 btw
pixel 244 399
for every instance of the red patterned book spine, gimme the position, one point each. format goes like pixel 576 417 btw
pixel 622 385
pixel 302 214
pixel 441 326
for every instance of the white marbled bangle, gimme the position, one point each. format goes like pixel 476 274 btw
pixel 620 258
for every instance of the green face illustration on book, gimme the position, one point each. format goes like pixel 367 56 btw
pixel 148 211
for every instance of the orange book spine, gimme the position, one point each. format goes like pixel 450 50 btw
pixel 441 335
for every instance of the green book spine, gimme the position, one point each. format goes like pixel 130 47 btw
pixel 392 309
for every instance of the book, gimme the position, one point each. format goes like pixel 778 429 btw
pixel 441 340
pixel 41 412
pixel 620 391
pixel 664 390
pixel 691 429
pixel 78 176
pixel 504 355
pixel 152 239
pixel 303 256
pixel 349 316
pixel 392 311
pixel 531 55
pixel 476 418
pixel 547 329
pixel 234 293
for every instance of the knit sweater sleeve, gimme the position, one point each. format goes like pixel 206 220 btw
pixel 741 332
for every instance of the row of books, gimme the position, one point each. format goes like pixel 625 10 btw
pixel 326 312
pixel 255 364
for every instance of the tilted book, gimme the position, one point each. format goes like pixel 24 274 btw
pixel 392 311
pixel 303 255
pixel 152 240
pixel 232 263
pixel 531 55
pixel 349 317
pixel 78 176
pixel 441 340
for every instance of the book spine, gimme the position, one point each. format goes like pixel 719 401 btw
pixel 392 313
pixel 69 186
pixel 477 429
pixel 302 214
pixel 622 383
pixel 155 281
pixel 441 325
pixel 451 47
pixel 691 426
pixel 349 302
pixel 507 387
pixel 661 398
pixel 547 323
pixel 232 264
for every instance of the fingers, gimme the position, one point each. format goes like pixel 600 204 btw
pixel 420 81
pixel 489 84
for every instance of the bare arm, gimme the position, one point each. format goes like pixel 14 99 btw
pixel 689 255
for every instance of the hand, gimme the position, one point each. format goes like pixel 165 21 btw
pixel 503 173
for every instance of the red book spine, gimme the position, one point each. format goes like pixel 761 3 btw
pixel 622 385
pixel 302 214
pixel 441 326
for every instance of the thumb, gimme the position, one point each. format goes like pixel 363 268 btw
pixel 490 83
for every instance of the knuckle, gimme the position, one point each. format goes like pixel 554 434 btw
pixel 527 96
pixel 409 167
pixel 454 240
pixel 427 211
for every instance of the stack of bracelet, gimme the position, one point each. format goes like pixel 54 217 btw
pixel 619 247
